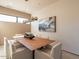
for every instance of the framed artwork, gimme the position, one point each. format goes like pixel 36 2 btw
pixel 47 24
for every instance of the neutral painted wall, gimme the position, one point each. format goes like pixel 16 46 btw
pixel 10 29
pixel 67 23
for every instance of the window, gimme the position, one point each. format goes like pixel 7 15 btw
pixel 22 20
pixel 6 18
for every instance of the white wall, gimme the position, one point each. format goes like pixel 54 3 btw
pixel 67 13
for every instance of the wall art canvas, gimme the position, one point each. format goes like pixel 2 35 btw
pixel 47 24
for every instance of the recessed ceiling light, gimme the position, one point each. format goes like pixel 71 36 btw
pixel 26 0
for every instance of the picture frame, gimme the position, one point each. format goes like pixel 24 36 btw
pixel 47 24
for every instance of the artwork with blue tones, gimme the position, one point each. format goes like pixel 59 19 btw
pixel 48 24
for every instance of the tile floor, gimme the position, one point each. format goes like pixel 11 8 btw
pixel 65 55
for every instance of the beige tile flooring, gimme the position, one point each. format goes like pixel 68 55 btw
pixel 65 55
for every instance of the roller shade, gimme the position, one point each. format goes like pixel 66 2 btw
pixel 12 12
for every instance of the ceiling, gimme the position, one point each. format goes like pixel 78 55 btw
pixel 30 6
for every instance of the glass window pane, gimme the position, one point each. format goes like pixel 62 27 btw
pixel 23 20
pixel 7 18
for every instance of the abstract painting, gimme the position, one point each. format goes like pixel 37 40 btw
pixel 47 24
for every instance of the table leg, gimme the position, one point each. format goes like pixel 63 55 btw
pixel 33 54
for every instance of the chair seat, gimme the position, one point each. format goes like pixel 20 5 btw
pixel 19 50
pixel 41 55
pixel 46 49
pixel 22 53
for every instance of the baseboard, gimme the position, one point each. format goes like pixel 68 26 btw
pixel 70 52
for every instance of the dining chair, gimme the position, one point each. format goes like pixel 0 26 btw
pixel 15 50
pixel 51 51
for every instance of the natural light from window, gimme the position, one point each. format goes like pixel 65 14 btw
pixel 22 20
pixel 6 18
pixel 14 19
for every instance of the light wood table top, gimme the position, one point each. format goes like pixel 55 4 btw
pixel 35 43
